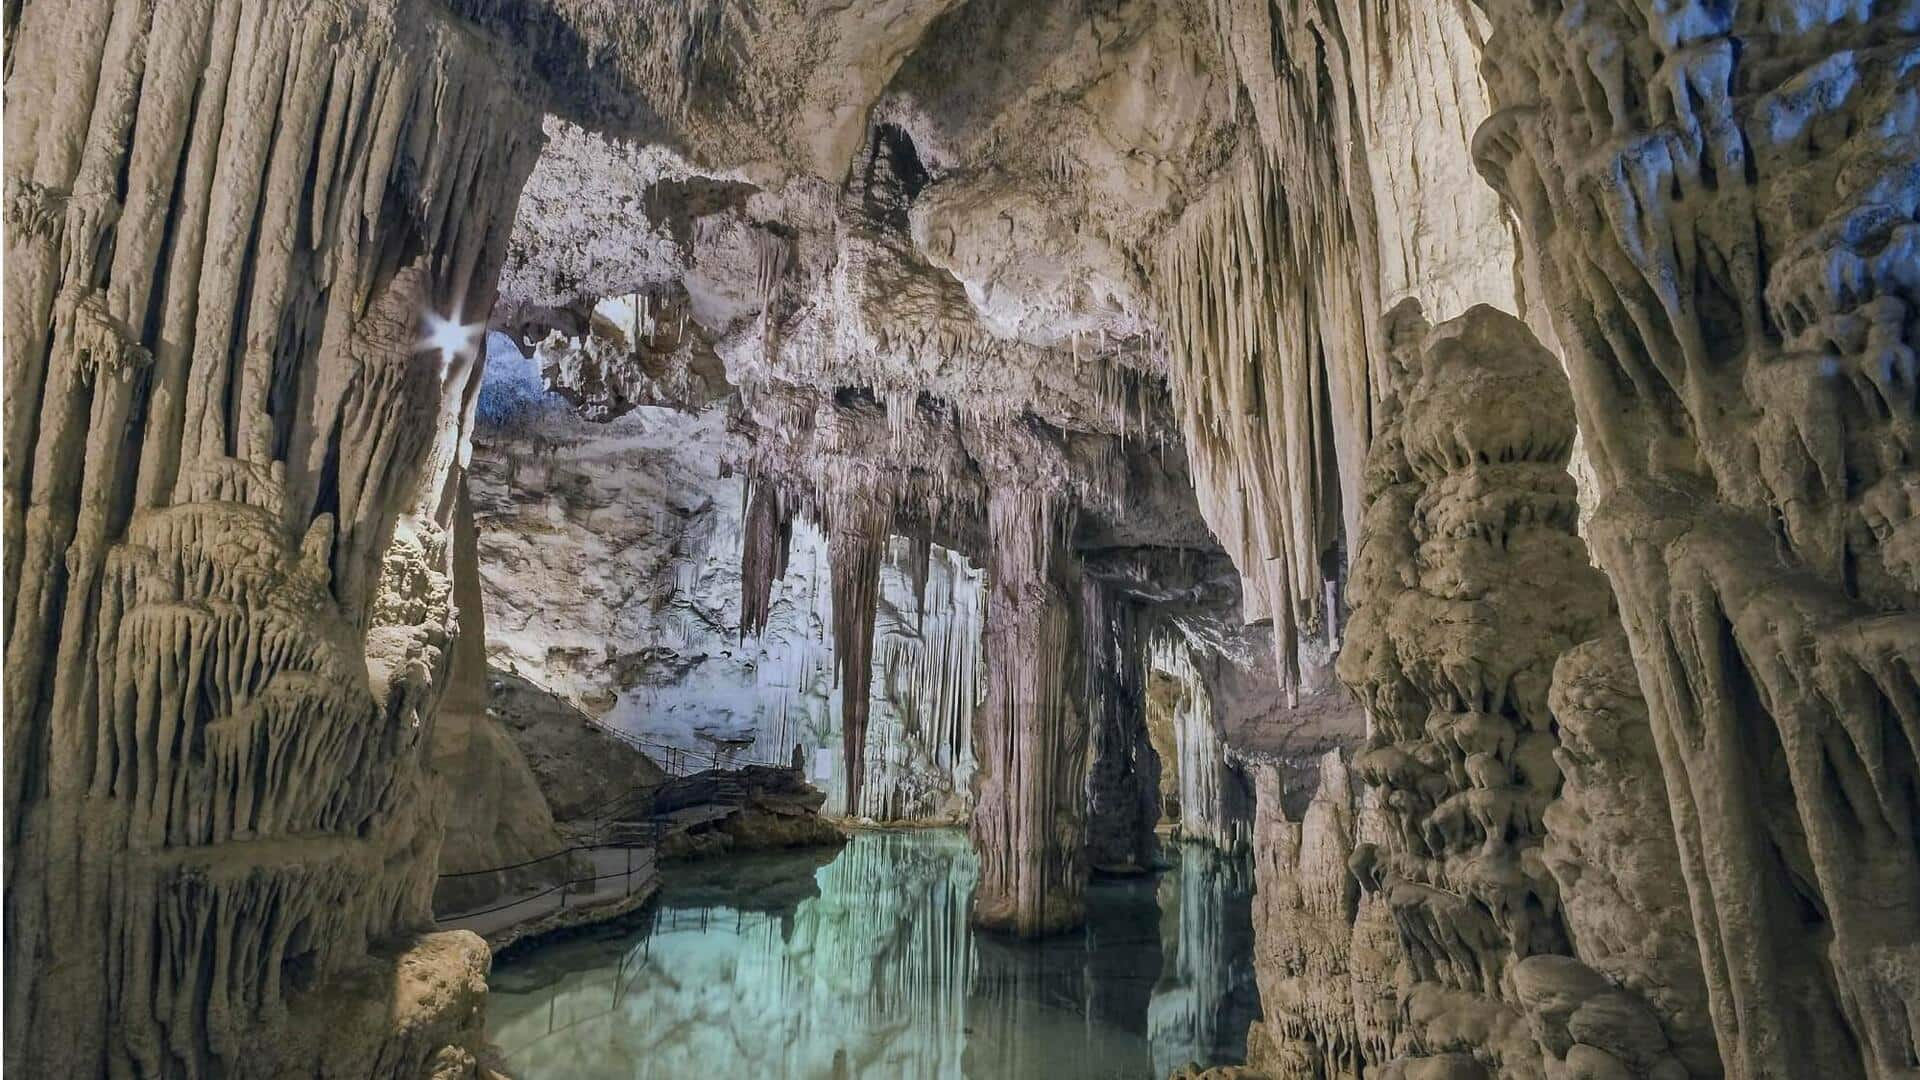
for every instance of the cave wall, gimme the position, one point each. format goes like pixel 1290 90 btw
pixel 1209 791
pixel 1721 217
pixel 228 479
pixel 614 559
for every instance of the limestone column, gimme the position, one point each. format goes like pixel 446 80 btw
pixel 858 527
pixel 230 225
pixel 1123 780
pixel 1030 738
pixel 1469 583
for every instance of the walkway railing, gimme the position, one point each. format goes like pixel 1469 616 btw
pixel 627 822
pixel 636 842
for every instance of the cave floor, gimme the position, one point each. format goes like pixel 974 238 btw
pixel 865 965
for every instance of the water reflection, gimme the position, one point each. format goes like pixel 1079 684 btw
pixel 776 966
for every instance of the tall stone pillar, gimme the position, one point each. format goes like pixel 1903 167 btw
pixel 1123 780
pixel 230 225
pixel 1717 205
pixel 1030 738
pixel 1470 583
pixel 858 527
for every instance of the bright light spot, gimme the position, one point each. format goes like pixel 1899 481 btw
pixel 448 337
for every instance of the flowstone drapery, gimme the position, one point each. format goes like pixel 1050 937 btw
pixel 228 476
pixel 1030 737
pixel 1718 203
pixel 858 526
pixel 1123 780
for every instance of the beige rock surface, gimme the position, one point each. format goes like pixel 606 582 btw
pixel 227 470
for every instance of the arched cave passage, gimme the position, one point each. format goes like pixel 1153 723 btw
pixel 987 537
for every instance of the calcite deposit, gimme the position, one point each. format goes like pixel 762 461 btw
pixel 228 469
pixel 1460 456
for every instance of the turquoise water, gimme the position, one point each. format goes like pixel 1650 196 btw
pixel 771 966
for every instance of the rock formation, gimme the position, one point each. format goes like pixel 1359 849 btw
pixel 1492 903
pixel 497 815
pixel 1007 403
pixel 1716 204
pixel 1123 778
pixel 228 467
pixel 1029 820
pixel 619 564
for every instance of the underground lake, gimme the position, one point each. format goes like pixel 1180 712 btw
pixel 861 962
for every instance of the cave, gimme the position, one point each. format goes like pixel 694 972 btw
pixel 996 538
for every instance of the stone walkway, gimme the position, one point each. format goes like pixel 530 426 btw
pixel 625 878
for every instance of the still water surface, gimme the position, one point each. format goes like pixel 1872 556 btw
pixel 774 966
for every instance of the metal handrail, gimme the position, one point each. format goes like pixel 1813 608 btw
pixel 618 818
pixel 565 886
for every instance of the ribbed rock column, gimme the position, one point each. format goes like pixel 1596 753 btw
pixel 858 527
pixel 1030 738
pixel 1717 201
pixel 1123 781
pixel 226 483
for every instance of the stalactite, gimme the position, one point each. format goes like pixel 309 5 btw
pixel 1123 781
pixel 212 441
pixel 1029 822
pixel 1270 372
pixel 767 540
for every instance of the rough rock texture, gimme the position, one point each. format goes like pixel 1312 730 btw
pixel 1468 584
pixel 579 766
pixel 228 470
pixel 750 809
pixel 1718 204
pixel 1305 907
pixel 1029 819
pixel 1444 921
pixel 1075 291
pixel 1611 850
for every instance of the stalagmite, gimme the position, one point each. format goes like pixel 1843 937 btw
pixel 1029 820
pixel 227 483
pixel 1304 911
pixel 1468 586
